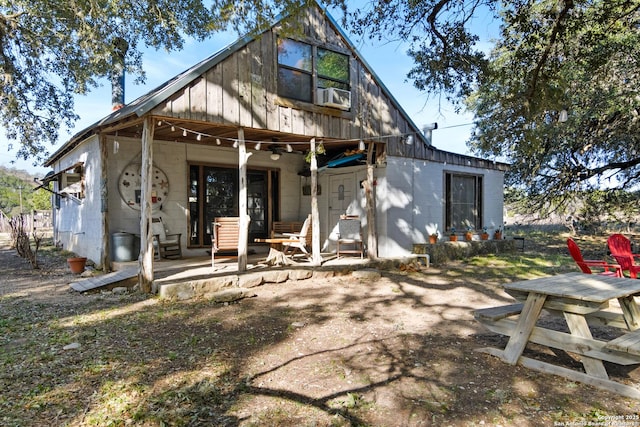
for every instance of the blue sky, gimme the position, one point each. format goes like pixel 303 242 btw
pixel 388 60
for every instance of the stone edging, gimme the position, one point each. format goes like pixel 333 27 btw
pixel 236 286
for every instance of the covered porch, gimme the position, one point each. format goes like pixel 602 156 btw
pixel 203 155
pixel 195 277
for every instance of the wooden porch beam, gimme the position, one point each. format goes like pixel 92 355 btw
pixel 126 123
pixel 145 272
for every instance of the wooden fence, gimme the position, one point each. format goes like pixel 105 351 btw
pixel 38 220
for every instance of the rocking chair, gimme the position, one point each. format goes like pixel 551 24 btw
pixel 165 245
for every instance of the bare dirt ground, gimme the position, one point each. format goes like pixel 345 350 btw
pixel 396 351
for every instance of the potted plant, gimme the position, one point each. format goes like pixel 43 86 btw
pixel 452 234
pixel 497 235
pixel 77 264
pixel 468 235
pixel 433 238
pixel 485 234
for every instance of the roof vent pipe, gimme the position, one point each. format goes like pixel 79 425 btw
pixel 427 131
pixel 120 47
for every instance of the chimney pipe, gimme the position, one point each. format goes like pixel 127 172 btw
pixel 120 47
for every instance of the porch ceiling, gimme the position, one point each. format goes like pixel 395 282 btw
pixel 207 133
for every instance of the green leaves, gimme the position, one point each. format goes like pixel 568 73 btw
pixel 51 50
pixel 16 192
pixel 576 55
pixel 442 43
pixel 583 60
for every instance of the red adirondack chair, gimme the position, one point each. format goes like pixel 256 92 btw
pixel 585 264
pixel 620 248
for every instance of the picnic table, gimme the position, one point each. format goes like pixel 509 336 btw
pixel 583 300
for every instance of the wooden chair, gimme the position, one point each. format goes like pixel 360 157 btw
pixel 166 245
pixel 620 248
pixel 350 234
pixel 586 264
pixel 302 239
pixel 226 231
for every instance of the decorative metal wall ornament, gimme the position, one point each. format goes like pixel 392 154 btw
pixel 130 182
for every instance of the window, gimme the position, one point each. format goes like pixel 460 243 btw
pixel 71 182
pixel 463 201
pixel 333 70
pixel 301 64
pixel 295 70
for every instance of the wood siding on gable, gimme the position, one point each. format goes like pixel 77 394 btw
pixel 241 90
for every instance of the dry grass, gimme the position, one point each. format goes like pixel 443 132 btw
pixel 396 351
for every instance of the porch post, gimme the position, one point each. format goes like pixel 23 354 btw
pixel 370 197
pixel 145 272
pixel 316 256
pixel 105 258
pixel 243 232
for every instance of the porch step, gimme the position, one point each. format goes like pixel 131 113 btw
pixel 105 281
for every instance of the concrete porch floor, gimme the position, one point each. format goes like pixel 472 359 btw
pixel 193 274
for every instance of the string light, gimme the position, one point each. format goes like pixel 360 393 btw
pixel 406 137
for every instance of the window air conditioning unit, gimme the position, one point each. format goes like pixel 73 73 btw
pixel 332 97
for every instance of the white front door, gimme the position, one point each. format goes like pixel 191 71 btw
pixel 341 198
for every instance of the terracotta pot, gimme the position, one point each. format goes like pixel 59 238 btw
pixel 484 236
pixel 497 235
pixel 468 237
pixel 453 238
pixel 77 264
pixel 433 239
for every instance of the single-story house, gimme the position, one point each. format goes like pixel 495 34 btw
pixel 276 126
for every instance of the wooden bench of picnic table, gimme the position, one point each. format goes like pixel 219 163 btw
pixel 496 319
pixel 497 313
pixel 626 343
pixel 597 318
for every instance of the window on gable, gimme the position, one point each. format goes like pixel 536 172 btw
pixel 295 75
pixel 303 68
pixel 333 69
pixel 463 201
